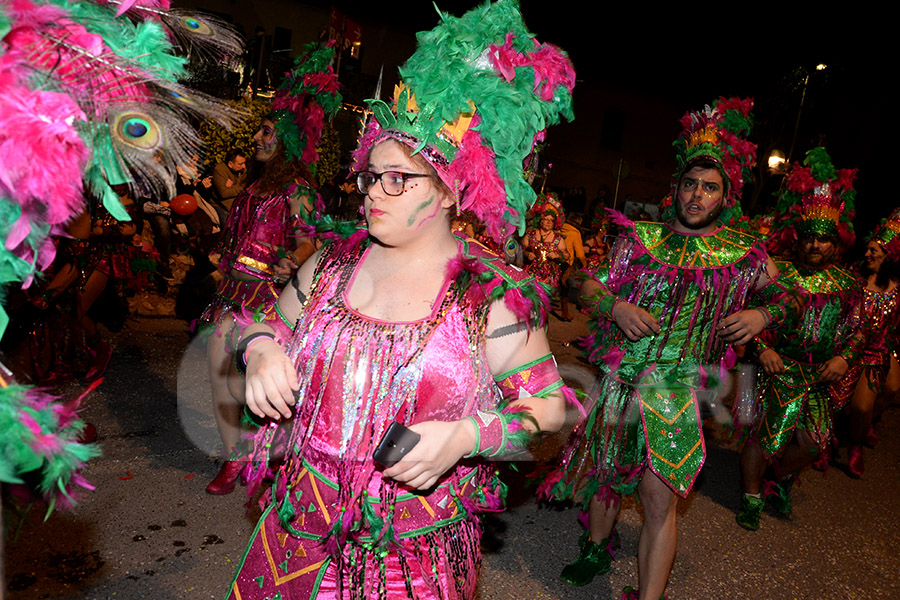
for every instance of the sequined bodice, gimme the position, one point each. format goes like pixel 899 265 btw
pixel 256 227
pixel 360 374
pixel 881 307
pixel 688 282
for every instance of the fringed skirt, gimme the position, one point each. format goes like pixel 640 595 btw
pixel 436 553
pixel 606 452
pixel 237 295
pixel 789 401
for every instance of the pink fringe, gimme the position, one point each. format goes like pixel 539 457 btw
pixel 613 358
pixel 569 394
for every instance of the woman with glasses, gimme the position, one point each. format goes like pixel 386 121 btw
pixel 414 356
pixel 266 236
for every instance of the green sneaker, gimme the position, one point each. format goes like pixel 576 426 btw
pixel 595 559
pixel 751 509
pixel 780 497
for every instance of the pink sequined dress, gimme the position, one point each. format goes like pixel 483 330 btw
pixel 257 226
pixel 336 528
pixel 882 317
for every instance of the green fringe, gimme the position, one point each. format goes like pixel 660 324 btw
pixel 286 512
pixel 370 517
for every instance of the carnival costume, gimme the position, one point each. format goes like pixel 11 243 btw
pixel 817 200
pixel 336 527
pixel 332 507
pixel 595 250
pixel 546 270
pixel 881 317
pixel 646 412
pixel 881 314
pixel 829 326
pixel 261 229
pixel 647 398
pixel 88 92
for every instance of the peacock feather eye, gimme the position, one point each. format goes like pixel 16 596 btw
pixel 138 130
pixel 197 26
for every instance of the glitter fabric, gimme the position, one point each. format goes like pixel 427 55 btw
pixel 887 235
pixel 882 317
pixel 258 227
pixel 336 527
pixel 546 270
pixel 829 326
pixel 645 410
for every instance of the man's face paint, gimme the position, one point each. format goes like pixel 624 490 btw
pixel 701 199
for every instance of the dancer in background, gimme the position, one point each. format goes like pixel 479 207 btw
pixel 666 308
pixel 874 380
pixel 801 363
pixel 266 236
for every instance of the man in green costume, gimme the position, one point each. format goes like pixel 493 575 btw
pixel 668 305
pixel 800 364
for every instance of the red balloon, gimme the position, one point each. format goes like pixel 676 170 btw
pixel 184 204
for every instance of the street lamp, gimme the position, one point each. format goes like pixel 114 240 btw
pixel 777 162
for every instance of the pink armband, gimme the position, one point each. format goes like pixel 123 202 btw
pixel 537 378
pixel 499 432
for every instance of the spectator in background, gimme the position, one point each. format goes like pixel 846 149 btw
pixel 574 250
pixel 229 180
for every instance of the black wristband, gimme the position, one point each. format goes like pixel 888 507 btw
pixel 240 361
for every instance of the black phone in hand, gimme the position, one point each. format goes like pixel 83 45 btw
pixel 396 443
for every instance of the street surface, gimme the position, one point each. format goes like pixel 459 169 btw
pixel 150 531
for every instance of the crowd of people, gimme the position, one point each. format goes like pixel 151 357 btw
pixel 385 361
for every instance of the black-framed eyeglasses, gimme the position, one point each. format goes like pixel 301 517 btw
pixel 392 182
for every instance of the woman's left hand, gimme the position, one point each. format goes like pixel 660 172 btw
pixel 440 448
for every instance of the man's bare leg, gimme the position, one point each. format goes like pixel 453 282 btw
pixel 659 536
pixel 753 466
pixel 602 518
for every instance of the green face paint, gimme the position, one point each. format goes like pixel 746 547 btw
pixel 418 209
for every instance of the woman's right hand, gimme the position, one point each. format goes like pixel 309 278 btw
pixel 271 381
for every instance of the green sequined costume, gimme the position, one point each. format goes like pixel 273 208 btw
pixel 830 325
pixel 644 408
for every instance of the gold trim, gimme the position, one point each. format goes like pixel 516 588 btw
pixel 255 264
pixel 653 410
pixel 427 506
pixel 274 567
pixel 686 456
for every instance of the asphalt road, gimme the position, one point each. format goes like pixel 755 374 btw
pixel 150 531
